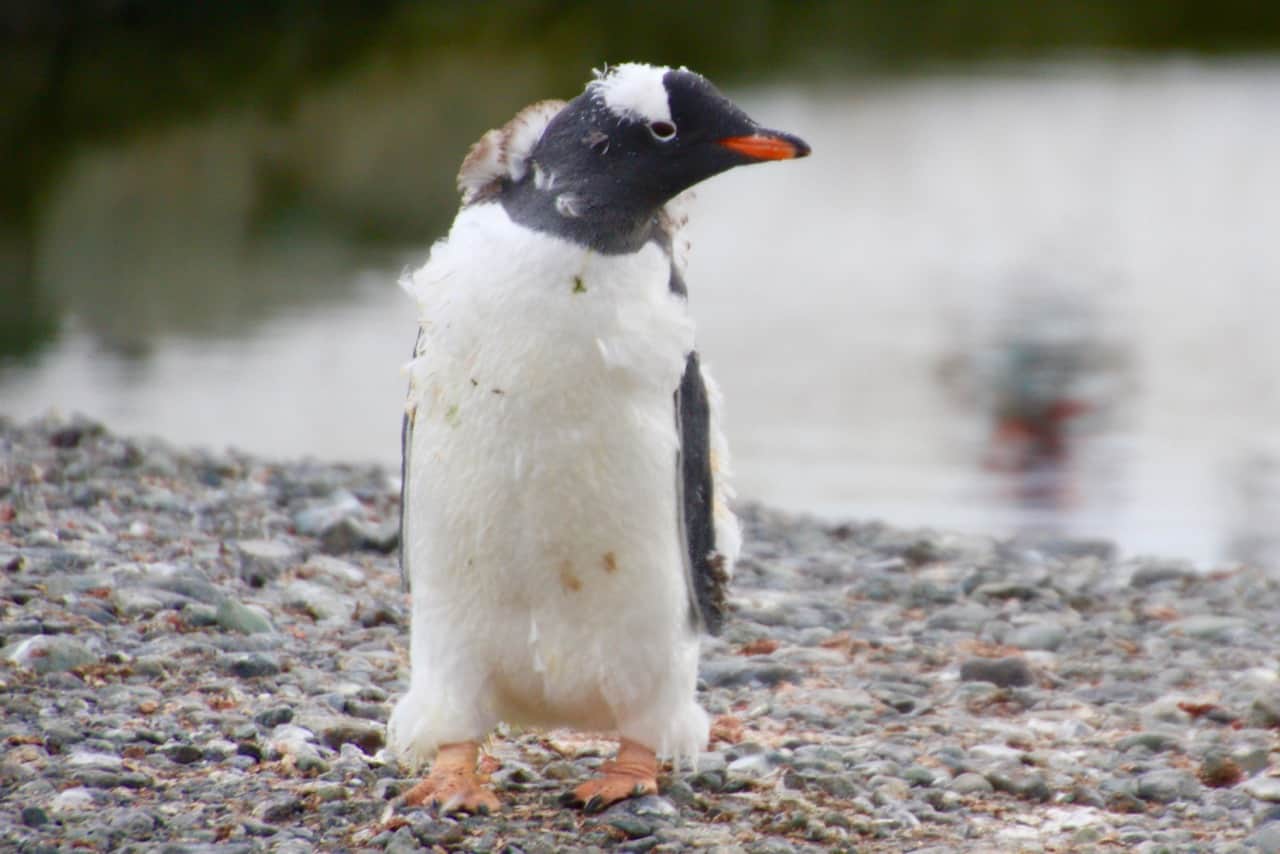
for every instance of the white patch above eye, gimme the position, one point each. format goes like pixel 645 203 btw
pixel 634 90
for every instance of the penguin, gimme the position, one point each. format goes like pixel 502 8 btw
pixel 566 534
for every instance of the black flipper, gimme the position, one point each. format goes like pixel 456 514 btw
pixel 675 283
pixel 696 490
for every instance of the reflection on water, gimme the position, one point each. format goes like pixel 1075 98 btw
pixel 1147 190
pixel 1034 298
pixel 1050 376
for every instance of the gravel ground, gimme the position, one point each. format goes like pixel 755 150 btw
pixel 198 651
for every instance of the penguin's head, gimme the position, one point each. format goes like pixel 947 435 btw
pixel 638 136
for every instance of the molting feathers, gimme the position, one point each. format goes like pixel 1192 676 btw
pixel 503 152
pixel 634 90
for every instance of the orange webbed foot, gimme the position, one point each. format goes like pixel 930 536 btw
pixel 453 784
pixel 632 774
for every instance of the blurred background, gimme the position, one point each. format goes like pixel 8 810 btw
pixel 1028 283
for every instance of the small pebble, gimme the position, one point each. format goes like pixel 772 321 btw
pixel 969 783
pixel 262 561
pixel 1003 672
pixel 1166 786
pixel 236 617
pixel 1037 636
pixel 184 754
pixel 50 653
pixel 251 665
pixel 1264 789
pixel 33 816
pixel 273 717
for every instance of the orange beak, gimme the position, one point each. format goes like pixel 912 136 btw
pixel 767 145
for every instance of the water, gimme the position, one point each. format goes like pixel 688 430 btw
pixel 964 253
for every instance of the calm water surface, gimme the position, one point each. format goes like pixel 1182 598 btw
pixel 1029 298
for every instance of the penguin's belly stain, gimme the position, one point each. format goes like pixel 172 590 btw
pixel 569 581
pixel 544 682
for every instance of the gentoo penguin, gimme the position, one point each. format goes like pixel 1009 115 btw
pixel 566 537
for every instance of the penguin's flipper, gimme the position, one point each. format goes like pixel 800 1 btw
pixel 704 568
pixel 406 445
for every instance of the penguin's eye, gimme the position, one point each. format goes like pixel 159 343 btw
pixel 662 131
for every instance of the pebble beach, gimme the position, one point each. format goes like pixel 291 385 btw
pixel 199 650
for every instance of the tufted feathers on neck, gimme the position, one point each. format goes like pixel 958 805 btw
pixel 503 152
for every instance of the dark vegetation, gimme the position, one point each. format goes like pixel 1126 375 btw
pixel 80 72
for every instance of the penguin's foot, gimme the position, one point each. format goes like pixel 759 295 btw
pixel 453 784
pixel 633 773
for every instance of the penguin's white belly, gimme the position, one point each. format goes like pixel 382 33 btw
pixel 550 552
pixel 542 535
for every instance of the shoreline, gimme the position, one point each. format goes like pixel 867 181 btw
pixel 199 649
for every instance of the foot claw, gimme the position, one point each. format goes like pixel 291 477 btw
pixel 447 796
pixel 453 785
pixel 600 792
pixel 632 774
